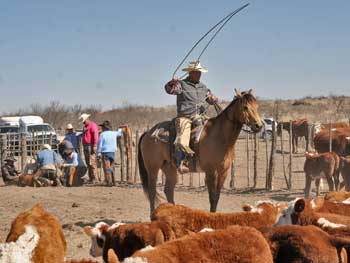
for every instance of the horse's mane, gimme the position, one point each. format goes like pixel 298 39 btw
pixel 246 97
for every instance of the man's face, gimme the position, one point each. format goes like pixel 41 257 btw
pixel 86 122
pixel 195 76
pixel 69 131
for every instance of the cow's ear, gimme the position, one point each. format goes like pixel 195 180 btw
pixel 299 206
pixel 88 230
pixel 112 257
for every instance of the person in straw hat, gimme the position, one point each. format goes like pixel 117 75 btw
pixel 193 99
pixel 72 137
pixel 10 174
pixel 89 140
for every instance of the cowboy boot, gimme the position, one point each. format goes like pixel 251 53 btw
pixel 183 135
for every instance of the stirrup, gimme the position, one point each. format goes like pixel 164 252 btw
pixel 182 169
pixel 186 149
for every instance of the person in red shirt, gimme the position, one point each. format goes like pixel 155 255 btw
pixel 89 140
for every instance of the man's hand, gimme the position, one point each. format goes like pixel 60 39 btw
pixel 174 81
pixel 93 149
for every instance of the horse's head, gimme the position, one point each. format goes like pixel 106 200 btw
pixel 248 110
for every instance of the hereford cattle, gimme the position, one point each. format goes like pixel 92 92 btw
pixel 184 220
pixel 340 141
pixel 52 244
pixel 337 196
pixel 234 244
pixel 300 212
pixel 125 239
pixel 300 128
pixel 321 165
pixel 321 205
pixel 293 243
pixel 345 171
pixel 22 249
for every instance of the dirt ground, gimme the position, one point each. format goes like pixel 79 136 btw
pixel 120 203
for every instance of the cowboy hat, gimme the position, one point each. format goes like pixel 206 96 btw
pixel 84 116
pixel 46 146
pixel 69 126
pixel 11 159
pixel 106 125
pixel 68 146
pixel 195 66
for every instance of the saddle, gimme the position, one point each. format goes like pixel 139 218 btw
pixel 166 132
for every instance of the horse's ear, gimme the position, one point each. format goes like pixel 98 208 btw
pixel 238 93
pixel 250 92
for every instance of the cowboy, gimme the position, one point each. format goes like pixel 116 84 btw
pixel 106 148
pixel 74 167
pixel 10 174
pixel 72 137
pixel 89 140
pixel 47 163
pixel 193 99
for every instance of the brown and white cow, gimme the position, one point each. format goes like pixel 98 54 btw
pixel 51 246
pixel 300 128
pixel 234 244
pixel 185 220
pixel 293 243
pixel 340 141
pixel 325 165
pixel 125 239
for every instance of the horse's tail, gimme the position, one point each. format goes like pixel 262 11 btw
pixel 142 168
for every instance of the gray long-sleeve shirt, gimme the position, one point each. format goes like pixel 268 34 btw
pixel 191 97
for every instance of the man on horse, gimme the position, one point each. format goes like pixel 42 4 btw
pixel 193 99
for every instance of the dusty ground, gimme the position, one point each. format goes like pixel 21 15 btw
pixel 121 203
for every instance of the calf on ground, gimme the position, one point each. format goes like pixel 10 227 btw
pixel 234 244
pixel 315 165
pixel 184 220
pixel 52 244
pixel 22 249
pixel 293 243
pixel 125 239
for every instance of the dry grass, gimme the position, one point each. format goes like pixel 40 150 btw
pixel 324 109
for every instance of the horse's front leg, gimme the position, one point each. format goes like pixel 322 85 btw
pixel 170 181
pixel 214 181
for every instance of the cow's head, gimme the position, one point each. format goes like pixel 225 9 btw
pixel 21 250
pixel 98 238
pixel 288 215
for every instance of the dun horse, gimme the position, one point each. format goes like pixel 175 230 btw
pixel 215 150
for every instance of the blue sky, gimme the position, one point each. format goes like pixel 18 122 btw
pixel 113 52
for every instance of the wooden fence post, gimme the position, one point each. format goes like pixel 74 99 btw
pixel 23 149
pixel 255 160
pixel 191 180
pixel 272 158
pixel 3 148
pixel 267 162
pixel 330 136
pixel 130 157
pixel 136 157
pixel 283 163
pixel 248 166
pixel 122 159
pixel 290 152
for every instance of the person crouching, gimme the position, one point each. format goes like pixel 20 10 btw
pixel 74 167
